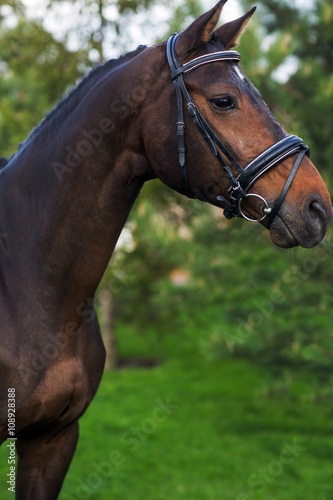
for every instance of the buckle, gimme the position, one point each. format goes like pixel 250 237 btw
pixel 237 193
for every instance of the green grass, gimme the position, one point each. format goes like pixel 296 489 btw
pixel 215 430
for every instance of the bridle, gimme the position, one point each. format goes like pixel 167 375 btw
pixel 245 177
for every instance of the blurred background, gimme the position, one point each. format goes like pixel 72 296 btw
pixel 219 382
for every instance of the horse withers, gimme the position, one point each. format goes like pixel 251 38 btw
pixel 182 111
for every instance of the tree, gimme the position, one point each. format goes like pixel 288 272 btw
pixel 304 37
pixel 9 6
pixel 35 71
pixel 101 23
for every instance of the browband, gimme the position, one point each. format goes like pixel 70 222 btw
pixel 223 55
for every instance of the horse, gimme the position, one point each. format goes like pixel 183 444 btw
pixel 182 111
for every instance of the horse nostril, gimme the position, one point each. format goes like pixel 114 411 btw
pixel 317 213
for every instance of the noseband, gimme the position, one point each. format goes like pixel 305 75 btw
pixel 245 177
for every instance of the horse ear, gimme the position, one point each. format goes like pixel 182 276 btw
pixel 230 33
pixel 199 31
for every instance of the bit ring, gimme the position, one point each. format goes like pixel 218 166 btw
pixel 266 208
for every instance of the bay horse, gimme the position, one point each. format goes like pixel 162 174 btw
pixel 182 111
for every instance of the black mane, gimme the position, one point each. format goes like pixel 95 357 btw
pixel 74 96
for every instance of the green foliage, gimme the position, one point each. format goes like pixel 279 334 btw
pixel 183 14
pixel 15 6
pixel 35 71
pixel 303 103
pixel 96 19
pixel 100 5
pixel 240 295
pixel 99 21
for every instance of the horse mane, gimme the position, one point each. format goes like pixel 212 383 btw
pixel 73 97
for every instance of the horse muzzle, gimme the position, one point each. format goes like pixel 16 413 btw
pixel 306 227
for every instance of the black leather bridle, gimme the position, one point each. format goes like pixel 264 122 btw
pixel 245 177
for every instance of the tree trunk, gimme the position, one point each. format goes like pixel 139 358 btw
pixel 108 329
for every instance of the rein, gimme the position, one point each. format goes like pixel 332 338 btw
pixel 245 177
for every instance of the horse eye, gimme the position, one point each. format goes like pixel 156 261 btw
pixel 224 103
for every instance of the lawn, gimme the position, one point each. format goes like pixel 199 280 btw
pixel 215 430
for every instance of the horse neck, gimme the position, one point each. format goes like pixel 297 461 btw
pixel 73 185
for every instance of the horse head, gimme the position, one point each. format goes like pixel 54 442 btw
pixel 226 146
